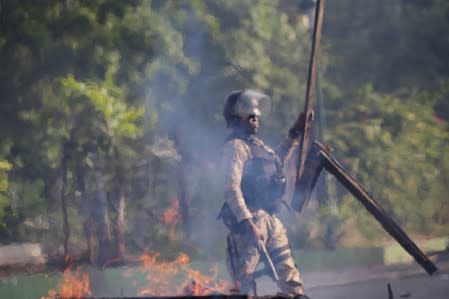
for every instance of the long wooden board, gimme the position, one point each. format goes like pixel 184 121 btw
pixel 333 166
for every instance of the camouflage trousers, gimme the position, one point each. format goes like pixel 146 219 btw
pixel 243 257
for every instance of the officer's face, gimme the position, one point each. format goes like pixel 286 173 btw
pixel 251 123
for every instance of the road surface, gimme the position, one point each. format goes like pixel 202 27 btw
pixel 406 281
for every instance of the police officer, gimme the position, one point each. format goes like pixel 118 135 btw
pixel 253 187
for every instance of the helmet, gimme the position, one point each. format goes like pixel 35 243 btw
pixel 243 103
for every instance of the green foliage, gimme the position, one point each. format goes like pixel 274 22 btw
pixel 120 120
pixel 109 79
pixel 394 146
pixel 15 198
pixel 267 51
pixel 390 44
pixel 5 166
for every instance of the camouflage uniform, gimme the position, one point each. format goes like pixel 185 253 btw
pixel 242 256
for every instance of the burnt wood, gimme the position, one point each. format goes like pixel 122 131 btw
pixel 304 186
pixel 333 166
pixel 306 137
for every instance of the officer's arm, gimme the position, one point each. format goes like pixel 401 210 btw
pixel 285 149
pixel 289 144
pixel 235 154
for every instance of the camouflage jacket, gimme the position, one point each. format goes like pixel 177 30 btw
pixel 236 154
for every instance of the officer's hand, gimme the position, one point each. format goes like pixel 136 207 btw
pixel 253 232
pixel 300 124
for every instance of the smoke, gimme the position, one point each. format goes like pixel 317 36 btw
pixel 190 133
pixel 164 148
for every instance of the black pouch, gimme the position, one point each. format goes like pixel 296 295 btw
pixel 227 217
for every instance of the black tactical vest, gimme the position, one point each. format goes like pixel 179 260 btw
pixel 263 181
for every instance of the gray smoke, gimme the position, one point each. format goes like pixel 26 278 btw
pixel 164 148
pixel 191 135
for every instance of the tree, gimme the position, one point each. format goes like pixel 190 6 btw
pixel 394 145
pixel 117 128
pixel 111 102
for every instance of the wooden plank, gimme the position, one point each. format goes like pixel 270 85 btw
pixel 334 167
pixel 306 137
pixel 304 186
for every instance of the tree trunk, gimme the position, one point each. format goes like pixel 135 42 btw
pixel 184 196
pixel 100 216
pixel 184 192
pixel 119 211
pixel 95 213
pixel 65 225
pixel 118 227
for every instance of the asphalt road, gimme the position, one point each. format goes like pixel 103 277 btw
pixel 417 287
pixel 408 281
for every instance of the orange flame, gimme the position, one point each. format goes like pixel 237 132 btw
pixel 172 215
pixel 72 285
pixel 202 285
pixel 162 278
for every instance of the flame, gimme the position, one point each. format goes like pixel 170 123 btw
pixel 172 217
pixel 73 284
pixel 162 278
pixel 202 285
